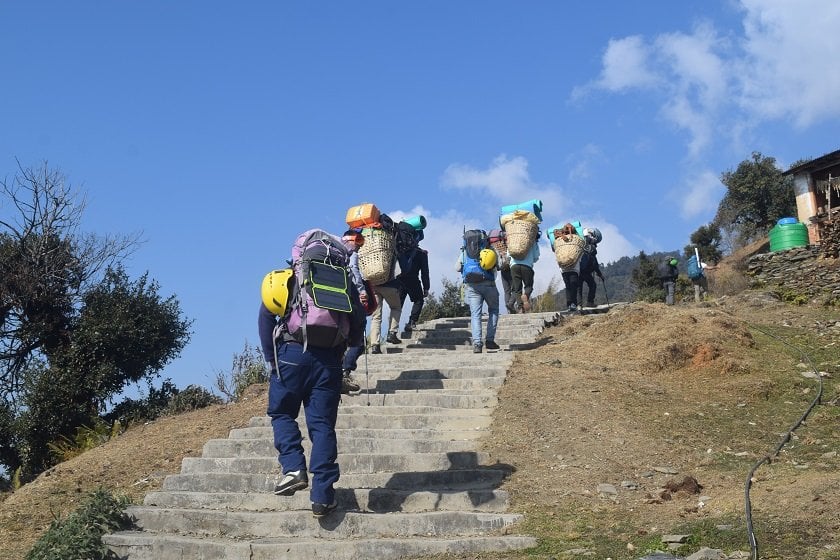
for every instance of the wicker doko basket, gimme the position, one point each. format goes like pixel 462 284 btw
pixel 376 256
pixel 520 235
pixel 502 251
pixel 567 249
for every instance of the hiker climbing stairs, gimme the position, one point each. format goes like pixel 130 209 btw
pixel 413 480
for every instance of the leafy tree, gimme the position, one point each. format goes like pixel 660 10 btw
pixel 74 330
pixel 757 196
pixel 125 332
pixel 46 265
pixel 707 239
pixel 646 280
pixel 448 305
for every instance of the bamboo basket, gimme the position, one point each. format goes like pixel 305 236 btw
pixel 501 249
pixel 376 256
pixel 567 249
pixel 520 235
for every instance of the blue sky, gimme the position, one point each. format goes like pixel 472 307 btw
pixel 220 130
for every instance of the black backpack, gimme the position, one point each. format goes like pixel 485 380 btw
pixel 405 239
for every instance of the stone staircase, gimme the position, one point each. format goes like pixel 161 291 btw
pixel 413 482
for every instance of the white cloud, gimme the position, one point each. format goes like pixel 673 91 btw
pixel 626 64
pixel 788 70
pixel 698 194
pixel 582 162
pixel 506 180
pixel 781 66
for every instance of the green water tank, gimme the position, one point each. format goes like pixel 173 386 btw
pixel 788 236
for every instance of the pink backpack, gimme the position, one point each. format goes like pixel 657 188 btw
pixel 321 308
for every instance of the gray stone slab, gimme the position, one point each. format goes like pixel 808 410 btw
pixel 301 524
pixel 377 500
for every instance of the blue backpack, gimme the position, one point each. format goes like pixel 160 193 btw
pixel 474 241
pixel 693 268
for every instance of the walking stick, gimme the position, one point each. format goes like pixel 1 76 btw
pixel 367 376
pixel 604 282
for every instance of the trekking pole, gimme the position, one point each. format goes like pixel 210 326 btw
pixel 606 297
pixel 367 377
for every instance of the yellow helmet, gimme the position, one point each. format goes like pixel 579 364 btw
pixel 487 259
pixel 276 288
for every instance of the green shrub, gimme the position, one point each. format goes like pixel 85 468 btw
pixel 79 536
pixel 248 368
pixel 85 438
pixel 138 411
pixel 191 398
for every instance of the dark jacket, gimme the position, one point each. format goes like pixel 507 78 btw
pixel 668 272
pixel 416 263
pixel 589 261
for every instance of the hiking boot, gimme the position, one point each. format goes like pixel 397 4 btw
pixel 348 386
pixel 374 349
pixel 322 510
pixel 408 328
pixel 526 303
pixel 476 348
pixel 572 308
pixel 491 345
pixel 392 338
pixel 291 483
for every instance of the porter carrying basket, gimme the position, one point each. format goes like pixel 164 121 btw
pixel 376 256
pixel 520 235
pixel 568 248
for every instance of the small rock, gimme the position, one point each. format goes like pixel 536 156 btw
pixel 607 489
pixel 707 554
pixel 679 539
pixel 666 470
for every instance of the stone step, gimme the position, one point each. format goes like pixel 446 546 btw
pixel 433 358
pixel 483 478
pixel 264 447
pixel 358 406
pixel 376 500
pixel 429 434
pixel 412 481
pixel 452 385
pixel 338 526
pixel 410 421
pixel 144 546
pixel 472 371
pixel 350 463
pixel 501 333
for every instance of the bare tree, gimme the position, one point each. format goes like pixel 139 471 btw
pixel 46 264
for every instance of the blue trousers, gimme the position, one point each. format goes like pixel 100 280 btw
pixel 477 295
pixel 351 356
pixel 313 379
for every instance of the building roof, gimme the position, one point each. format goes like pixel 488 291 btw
pixel 822 162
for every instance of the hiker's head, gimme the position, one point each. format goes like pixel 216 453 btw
pixel 353 239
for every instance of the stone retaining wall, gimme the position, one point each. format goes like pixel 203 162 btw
pixel 798 271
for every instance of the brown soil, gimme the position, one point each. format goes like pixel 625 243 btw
pixel 666 405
